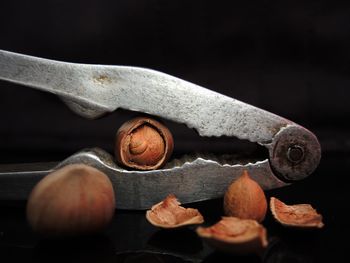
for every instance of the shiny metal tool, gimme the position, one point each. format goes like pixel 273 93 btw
pixel 93 90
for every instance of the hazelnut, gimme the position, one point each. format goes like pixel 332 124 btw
pixel 169 214
pixel 144 144
pixel 245 199
pixel 76 199
pixel 300 215
pixel 235 235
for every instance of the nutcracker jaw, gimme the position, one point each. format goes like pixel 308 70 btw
pixel 94 90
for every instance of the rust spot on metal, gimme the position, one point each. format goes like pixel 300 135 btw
pixel 276 128
pixel 102 79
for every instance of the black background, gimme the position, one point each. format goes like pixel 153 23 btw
pixel 288 57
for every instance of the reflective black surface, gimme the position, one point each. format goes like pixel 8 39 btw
pixel 130 238
pixel 289 57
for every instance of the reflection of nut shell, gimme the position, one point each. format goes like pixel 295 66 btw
pixel 144 144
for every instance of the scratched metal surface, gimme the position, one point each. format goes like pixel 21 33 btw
pixel 93 90
pixel 190 180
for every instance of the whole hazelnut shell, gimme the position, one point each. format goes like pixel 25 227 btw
pixel 245 199
pixel 73 200
pixel 143 144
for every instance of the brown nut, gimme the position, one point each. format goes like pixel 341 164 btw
pixel 300 215
pixel 73 200
pixel 245 199
pixel 169 214
pixel 144 144
pixel 234 235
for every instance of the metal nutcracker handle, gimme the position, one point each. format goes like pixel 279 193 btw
pixel 93 90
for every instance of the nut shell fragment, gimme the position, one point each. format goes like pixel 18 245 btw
pixel 144 144
pixel 245 199
pixel 300 215
pixel 169 214
pixel 234 235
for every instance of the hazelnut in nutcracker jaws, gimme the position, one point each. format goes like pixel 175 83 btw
pixel 245 199
pixel 73 200
pixel 143 144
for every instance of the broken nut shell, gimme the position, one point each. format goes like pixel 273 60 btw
pixel 235 235
pixel 144 144
pixel 169 214
pixel 300 215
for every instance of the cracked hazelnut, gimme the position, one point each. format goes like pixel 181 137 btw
pixel 245 199
pixel 300 215
pixel 169 214
pixel 75 199
pixel 234 235
pixel 144 144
